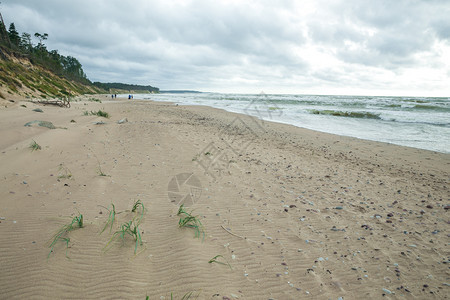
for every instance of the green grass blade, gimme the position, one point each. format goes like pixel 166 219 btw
pixel 64 230
pixel 136 206
pixel 214 260
pixel 190 221
pixel 111 218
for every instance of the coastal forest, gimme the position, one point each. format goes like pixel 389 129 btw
pixel 116 86
pixel 38 54
pixel 29 69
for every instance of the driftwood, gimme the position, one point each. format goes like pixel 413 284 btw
pixel 61 103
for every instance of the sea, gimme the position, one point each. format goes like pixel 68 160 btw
pixel 419 122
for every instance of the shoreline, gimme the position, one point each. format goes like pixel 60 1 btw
pixel 361 125
pixel 296 213
pixel 331 139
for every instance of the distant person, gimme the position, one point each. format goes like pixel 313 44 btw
pixel 129 97
pixel 115 95
pixel 112 96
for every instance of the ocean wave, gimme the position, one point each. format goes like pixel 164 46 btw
pixel 412 100
pixel 387 119
pixel 431 107
pixel 440 124
pixel 348 114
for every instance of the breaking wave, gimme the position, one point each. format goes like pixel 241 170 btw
pixel 352 114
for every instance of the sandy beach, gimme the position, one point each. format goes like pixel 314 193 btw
pixel 293 213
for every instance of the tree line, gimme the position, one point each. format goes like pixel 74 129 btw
pixel 65 66
pixel 127 87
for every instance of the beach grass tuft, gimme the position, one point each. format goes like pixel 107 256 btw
pixel 92 99
pixel 77 221
pixel 187 296
pixel 111 218
pixel 138 204
pixel 64 172
pixel 100 172
pixel 214 260
pixel 35 146
pixel 190 221
pixel 100 113
pixel 130 228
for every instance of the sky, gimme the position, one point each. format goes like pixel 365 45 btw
pixel 345 47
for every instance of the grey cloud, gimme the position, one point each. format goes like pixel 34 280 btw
pixel 442 28
pixel 386 33
pixel 333 33
pixel 204 44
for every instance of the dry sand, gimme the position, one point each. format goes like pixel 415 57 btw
pixel 296 213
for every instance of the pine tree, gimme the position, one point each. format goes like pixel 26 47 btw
pixel 25 42
pixel 13 35
pixel 4 37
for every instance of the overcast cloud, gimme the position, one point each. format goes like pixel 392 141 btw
pixel 381 47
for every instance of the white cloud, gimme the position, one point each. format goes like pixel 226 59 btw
pixel 352 46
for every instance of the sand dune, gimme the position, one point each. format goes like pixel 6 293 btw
pixel 297 214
